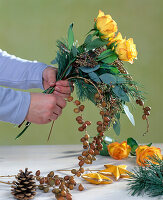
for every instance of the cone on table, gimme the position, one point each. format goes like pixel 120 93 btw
pixel 25 186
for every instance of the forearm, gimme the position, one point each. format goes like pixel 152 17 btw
pixel 19 73
pixel 14 105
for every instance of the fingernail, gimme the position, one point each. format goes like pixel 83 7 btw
pixel 57 88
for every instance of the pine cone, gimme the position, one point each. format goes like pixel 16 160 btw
pixel 24 187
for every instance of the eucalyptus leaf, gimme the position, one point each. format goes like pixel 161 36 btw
pixel 116 127
pixel 120 80
pixel 117 116
pixel 88 39
pixel 96 43
pixel 128 113
pixel 89 69
pixel 74 51
pixel 54 61
pixel 110 59
pixel 94 77
pixel 120 93
pixel 70 37
pixel 108 78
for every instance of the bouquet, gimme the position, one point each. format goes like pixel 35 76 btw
pixel 96 68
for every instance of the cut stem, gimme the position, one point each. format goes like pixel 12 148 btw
pixel 8 183
pixel 68 170
pixel 50 131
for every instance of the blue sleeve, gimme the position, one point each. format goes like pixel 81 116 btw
pixel 13 105
pixel 19 73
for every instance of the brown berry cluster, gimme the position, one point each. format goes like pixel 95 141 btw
pixel 93 148
pixel 61 186
pixel 145 109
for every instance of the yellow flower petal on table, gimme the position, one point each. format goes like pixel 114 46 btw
pixel 97 178
pixel 118 171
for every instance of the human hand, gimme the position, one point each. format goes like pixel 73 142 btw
pixel 62 88
pixel 44 108
pixel 49 77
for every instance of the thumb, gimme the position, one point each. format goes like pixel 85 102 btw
pixel 51 77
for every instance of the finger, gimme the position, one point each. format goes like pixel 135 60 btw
pixel 51 76
pixel 60 101
pixel 54 116
pixel 57 110
pixel 62 89
pixel 62 94
pixel 64 83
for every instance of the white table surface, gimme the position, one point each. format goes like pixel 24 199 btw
pixel 47 158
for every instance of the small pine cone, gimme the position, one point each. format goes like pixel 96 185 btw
pixel 25 186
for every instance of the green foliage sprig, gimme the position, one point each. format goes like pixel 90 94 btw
pixel 147 180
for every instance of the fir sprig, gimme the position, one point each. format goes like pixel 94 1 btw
pixel 147 180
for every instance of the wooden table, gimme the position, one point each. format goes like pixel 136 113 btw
pixel 48 158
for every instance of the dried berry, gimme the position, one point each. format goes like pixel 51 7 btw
pixel 70 98
pixel 73 171
pixel 147 108
pixel 81 107
pixel 38 173
pixel 57 182
pixel 88 123
pixel 77 102
pixel 81 129
pixel 76 110
pixel 78 118
pixel 144 117
pixel 46 189
pixel 80 188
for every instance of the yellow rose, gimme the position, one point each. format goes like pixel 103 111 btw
pixel 143 152
pixel 119 151
pixel 116 39
pixel 126 50
pixel 106 25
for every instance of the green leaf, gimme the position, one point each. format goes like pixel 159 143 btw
pixel 74 51
pixel 94 77
pixel 70 37
pixel 120 93
pixel 133 144
pixel 20 134
pixel 149 144
pixel 96 44
pixel 110 59
pixel 54 61
pixel 68 71
pixel 116 127
pixel 88 39
pixel 105 54
pixel 104 151
pixel 108 78
pixel 113 70
pixel 89 69
pixel 120 80
pixel 129 115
